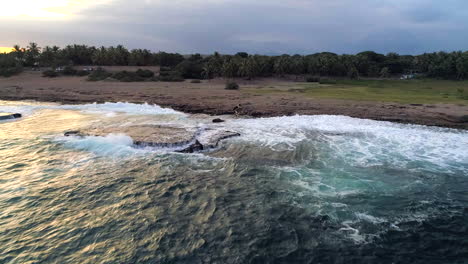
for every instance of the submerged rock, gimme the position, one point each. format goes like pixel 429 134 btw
pixel 6 116
pixel 218 120
pixel 209 139
pixel 195 147
pixel 73 133
pixel 181 139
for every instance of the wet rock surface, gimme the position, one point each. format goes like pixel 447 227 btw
pixel 185 140
pixel 6 116
pixel 218 120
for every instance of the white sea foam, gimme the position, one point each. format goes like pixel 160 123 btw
pixel 128 108
pixel 110 145
pixel 364 142
pixel 105 108
pixel 370 218
pixel 358 142
pixel 352 233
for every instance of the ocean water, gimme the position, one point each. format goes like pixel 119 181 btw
pixel 300 189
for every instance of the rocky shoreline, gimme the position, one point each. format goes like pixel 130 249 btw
pixel 211 98
pixel 409 114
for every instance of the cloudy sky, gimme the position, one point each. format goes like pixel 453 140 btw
pixel 228 26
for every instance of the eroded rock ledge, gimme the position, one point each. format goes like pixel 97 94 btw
pixel 6 116
pixel 183 140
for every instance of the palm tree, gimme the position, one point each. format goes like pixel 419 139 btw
pixel 282 65
pixel 18 53
pixel 230 68
pixel 32 54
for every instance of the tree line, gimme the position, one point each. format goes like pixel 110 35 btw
pixel 447 65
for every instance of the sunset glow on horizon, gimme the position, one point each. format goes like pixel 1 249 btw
pixel 6 49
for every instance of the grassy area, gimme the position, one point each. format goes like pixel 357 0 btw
pixel 400 91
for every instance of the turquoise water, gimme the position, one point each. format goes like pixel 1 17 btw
pixel 301 189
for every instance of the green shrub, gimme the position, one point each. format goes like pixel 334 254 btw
pixel 9 65
pixel 190 69
pixel 166 75
pixel 312 79
pixel 196 81
pixel 50 74
pixel 82 73
pixel 231 86
pixel 98 75
pixel 125 76
pixel 144 73
pixel 68 70
pixel 10 71
pixel 120 75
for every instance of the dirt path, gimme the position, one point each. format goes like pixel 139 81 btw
pixel 211 98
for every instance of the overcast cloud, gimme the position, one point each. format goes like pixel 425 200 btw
pixel 261 26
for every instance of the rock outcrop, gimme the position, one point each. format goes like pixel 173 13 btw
pixel 185 140
pixel 209 139
pixel 218 120
pixel 6 116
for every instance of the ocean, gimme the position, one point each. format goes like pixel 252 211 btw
pixel 296 189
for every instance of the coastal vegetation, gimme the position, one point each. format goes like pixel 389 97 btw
pixel 367 64
pixel 9 66
pixel 425 91
pixel 232 86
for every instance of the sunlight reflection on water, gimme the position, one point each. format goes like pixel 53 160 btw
pixel 289 190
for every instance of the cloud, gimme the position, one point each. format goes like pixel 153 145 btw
pixel 274 26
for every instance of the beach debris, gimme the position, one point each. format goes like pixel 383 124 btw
pixel 6 116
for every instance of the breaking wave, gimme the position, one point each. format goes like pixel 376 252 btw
pixel 294 189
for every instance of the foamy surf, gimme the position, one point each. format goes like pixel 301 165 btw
pixel 364 142
pixel 107 108
pixel 302 184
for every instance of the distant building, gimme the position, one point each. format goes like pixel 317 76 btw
pixel 407 76
pixel 411 75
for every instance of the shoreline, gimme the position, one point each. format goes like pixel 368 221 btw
pixel 211 98
pixel 191 109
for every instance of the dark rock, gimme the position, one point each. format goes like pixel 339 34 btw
pixel 195 147
pixel 72 133
pixel 218 120
pixel 463 119
pixel 9 116
pixel 209 140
